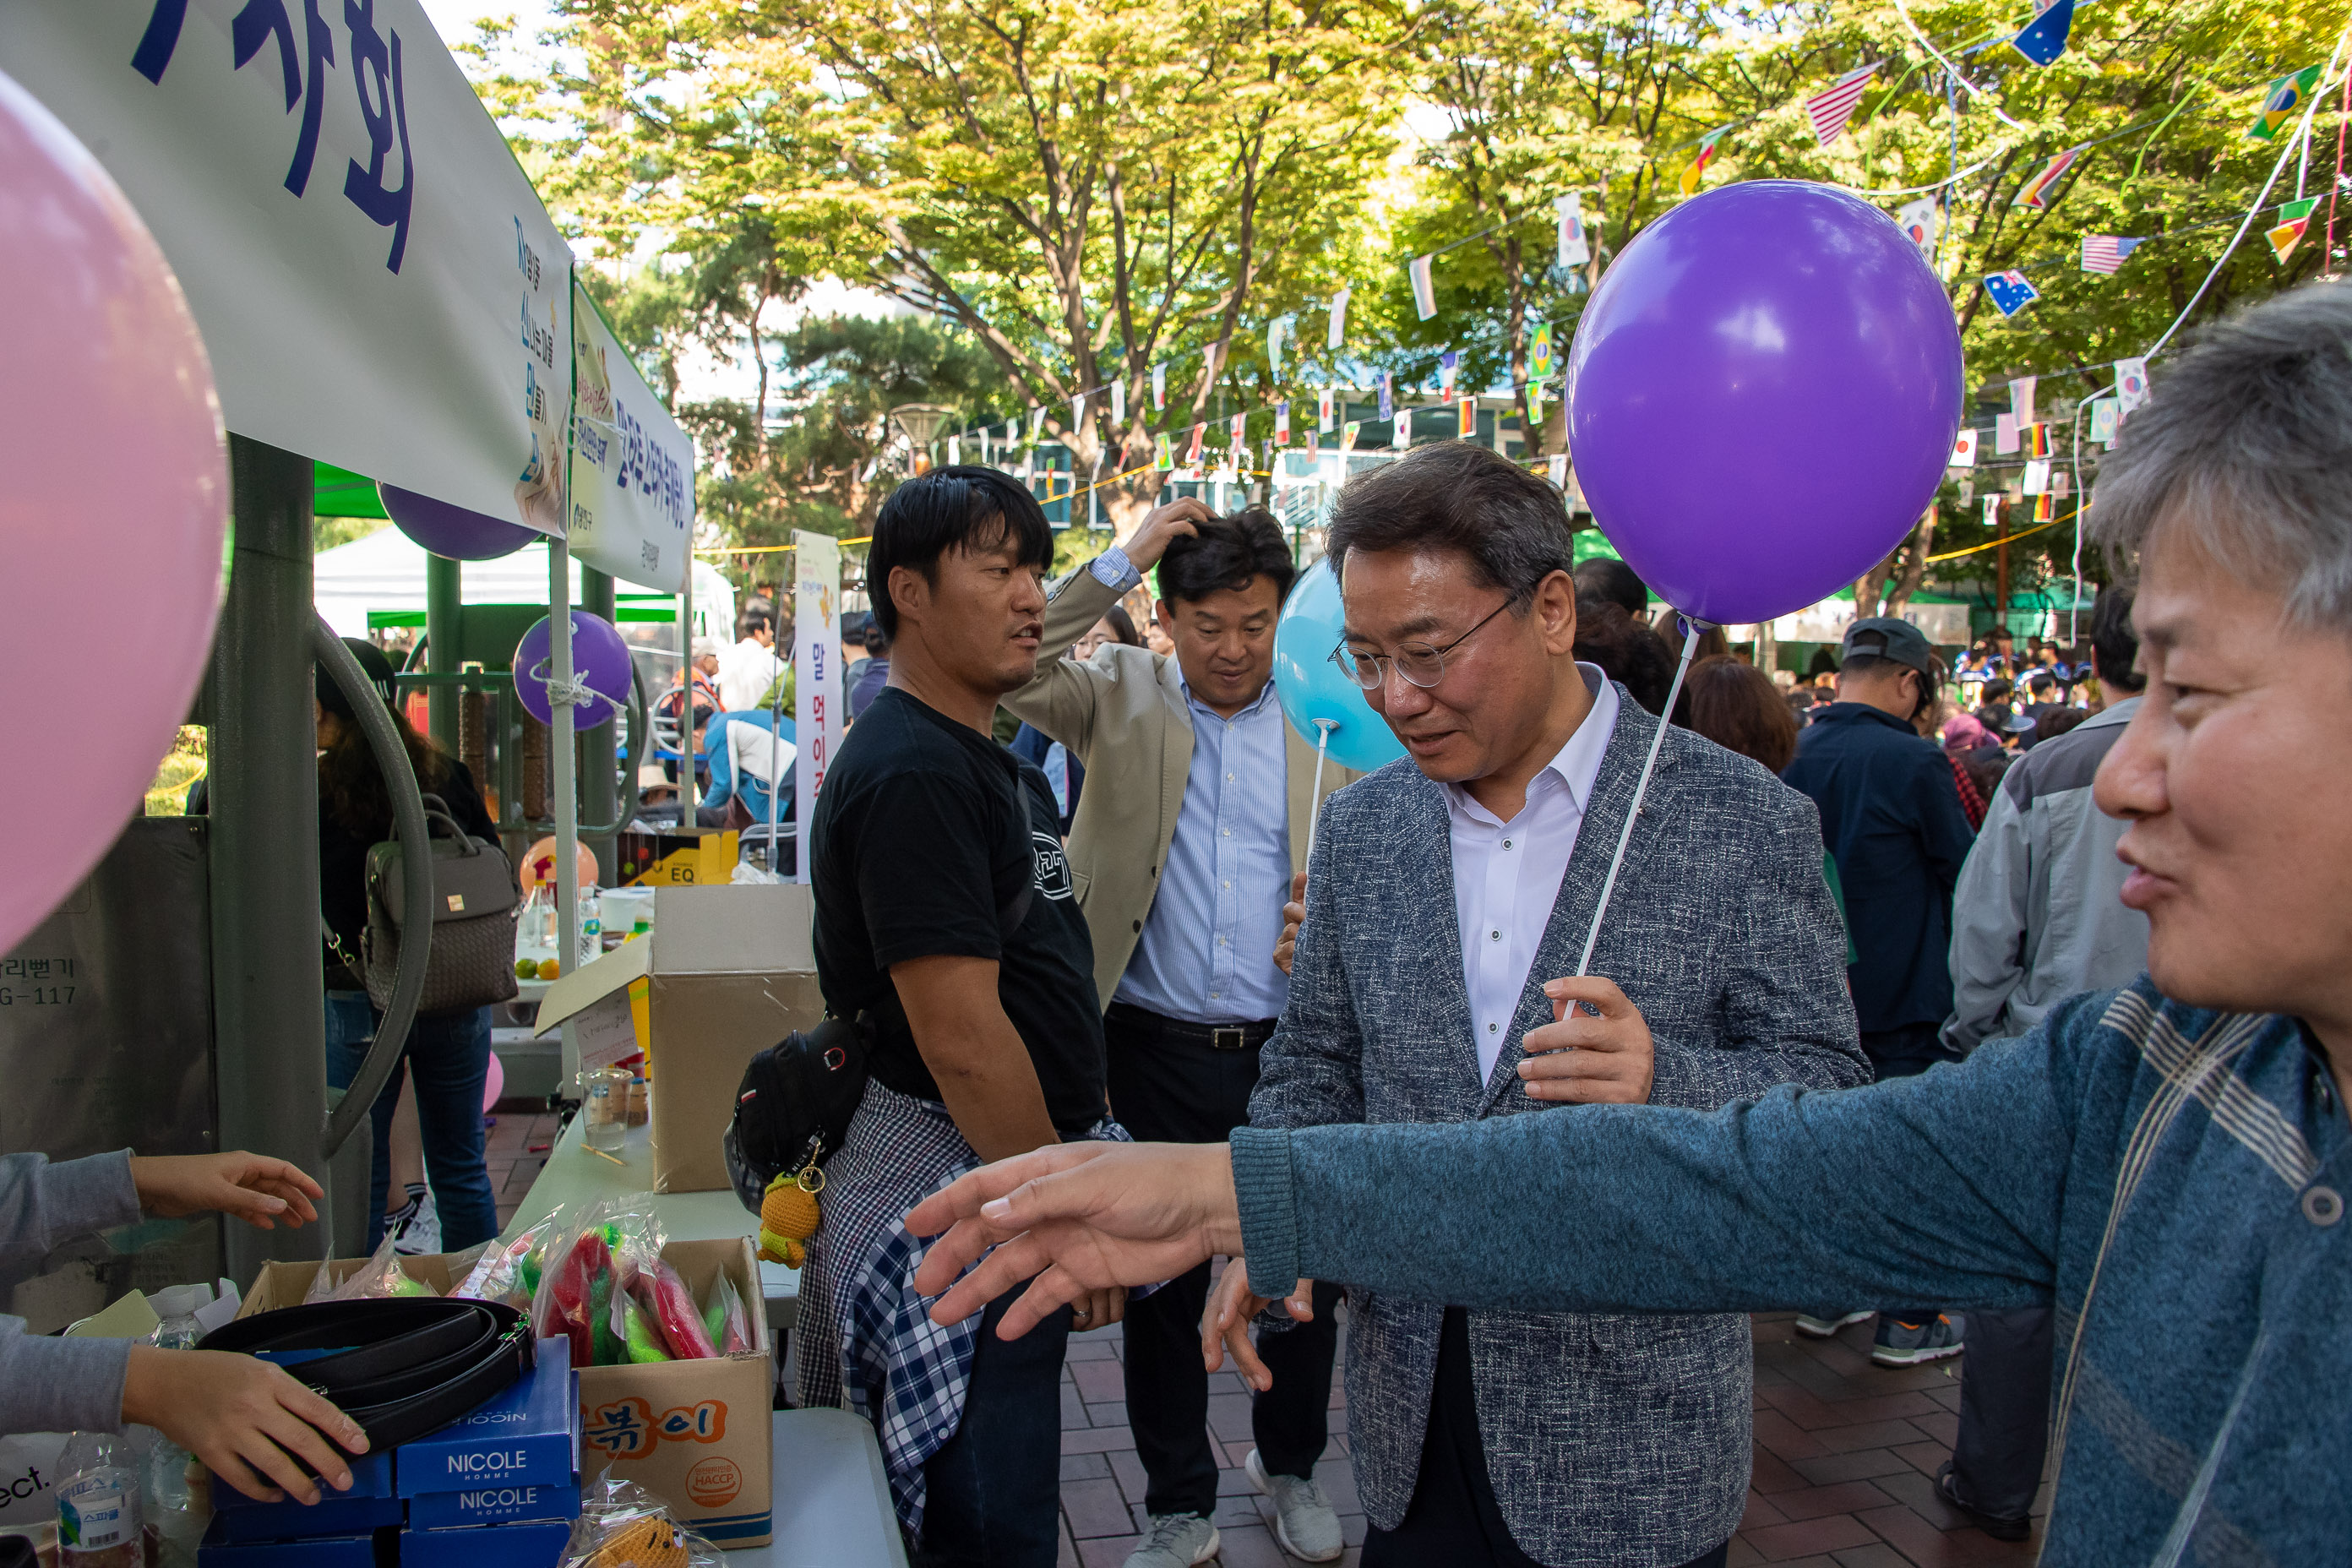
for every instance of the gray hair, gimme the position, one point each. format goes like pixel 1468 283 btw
pixel 2250 437
pixel 1454 495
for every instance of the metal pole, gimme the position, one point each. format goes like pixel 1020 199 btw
pixel 444 645
pixel 686 718
pixel 562 784
pixel 600 798
pixel 268 1026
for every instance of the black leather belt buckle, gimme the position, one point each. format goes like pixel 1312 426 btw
pixel 1230 1038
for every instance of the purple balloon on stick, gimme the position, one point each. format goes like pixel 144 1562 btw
pixel 1762 397
pixel 452 530
pixel 599 659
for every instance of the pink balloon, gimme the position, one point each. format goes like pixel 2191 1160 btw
pixel 115 461
pixel 495 1085
pixel 538 866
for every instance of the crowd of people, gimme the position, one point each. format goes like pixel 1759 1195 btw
pixel 1876 1022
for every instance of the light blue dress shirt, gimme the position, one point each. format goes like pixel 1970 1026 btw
pixel 1206 954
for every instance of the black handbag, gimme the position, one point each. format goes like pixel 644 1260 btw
pixel 471 962
pixel 794 1106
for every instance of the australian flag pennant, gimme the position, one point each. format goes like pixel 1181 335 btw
pixel 2009 292
pixel 2043 39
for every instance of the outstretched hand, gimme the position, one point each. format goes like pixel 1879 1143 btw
pixel 1073 1219
pixel 255 1188
pixel 249 1421
pixel 1233 1307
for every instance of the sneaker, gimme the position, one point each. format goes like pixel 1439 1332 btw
pixel 1992 1524
pixel 419 1233
pixel 1175 1540
pixel 1304 1522
pixel 1814 1327
pixel 1907 1345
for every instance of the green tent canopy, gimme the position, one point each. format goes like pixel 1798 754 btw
pixel 339 492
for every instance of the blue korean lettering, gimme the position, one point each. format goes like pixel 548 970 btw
pixel 385 114
pixel 255 26
pixel 153 55
pixel 526 259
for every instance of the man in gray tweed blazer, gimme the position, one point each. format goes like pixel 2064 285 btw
pixel 1442 894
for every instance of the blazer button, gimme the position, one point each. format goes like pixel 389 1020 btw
pixel 1138 925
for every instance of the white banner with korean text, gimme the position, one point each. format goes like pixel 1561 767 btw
pixel 816 658
pixel 376 281
pixel 632 467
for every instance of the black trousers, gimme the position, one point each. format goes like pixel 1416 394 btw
pixel 1454 1518
pixel 2004 1412
pixel 1170 1091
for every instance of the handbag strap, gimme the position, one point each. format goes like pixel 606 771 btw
pixel 437 809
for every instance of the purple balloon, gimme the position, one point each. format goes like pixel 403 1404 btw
pixel 599 658
pixel 1762 397
pixel 452 530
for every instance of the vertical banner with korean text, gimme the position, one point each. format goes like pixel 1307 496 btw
pixel 377 283
pixel 632 467
pixel 817 656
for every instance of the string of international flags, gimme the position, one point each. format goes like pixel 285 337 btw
pixel 1829 114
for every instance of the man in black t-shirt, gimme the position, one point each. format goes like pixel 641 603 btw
pixel 945 913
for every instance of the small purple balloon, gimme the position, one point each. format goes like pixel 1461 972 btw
pixel 452 530
pixel 1762 397
pixel 600 658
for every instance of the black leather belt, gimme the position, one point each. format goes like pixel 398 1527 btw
pixel 1216 1036
pixel 400 1368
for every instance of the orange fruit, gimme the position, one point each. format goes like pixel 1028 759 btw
pixel 549 969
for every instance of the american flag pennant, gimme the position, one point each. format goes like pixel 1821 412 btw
pixel 1337 334
pixel 1448 363
pixel 1425 287
pixel 2031 193
pixel 1467 410
pixel 1347 435
pixel 1323 414
pixel 1192 453
pixel 2010 291
pixel 1832 110
pixel 1388 401
pixel 1158 386
pixel 1282 423
pixel 1402 436
pixel 2103 253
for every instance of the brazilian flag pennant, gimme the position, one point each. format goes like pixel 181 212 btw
pixel 2283 102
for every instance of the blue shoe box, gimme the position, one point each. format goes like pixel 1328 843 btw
pixel 523 1437
pixel 493 1546
pixel 370 1503
pixel 497 1504
pixel 218 1550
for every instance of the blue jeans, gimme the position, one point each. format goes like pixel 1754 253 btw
pixel 450 1056
pixel 994 1489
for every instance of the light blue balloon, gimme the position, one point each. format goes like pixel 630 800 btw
pixel 1311 686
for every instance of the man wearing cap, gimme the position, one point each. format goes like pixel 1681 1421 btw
pixel 1891 817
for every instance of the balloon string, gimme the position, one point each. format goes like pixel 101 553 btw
pixel 1692 629
pixel 573 694
pixel 1323 728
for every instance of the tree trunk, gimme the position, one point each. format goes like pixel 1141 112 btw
pixel 1916 551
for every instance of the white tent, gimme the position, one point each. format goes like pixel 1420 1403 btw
pixel 386 571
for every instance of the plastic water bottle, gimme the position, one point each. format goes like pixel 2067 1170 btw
pixel 99 1518
pixel 172 1516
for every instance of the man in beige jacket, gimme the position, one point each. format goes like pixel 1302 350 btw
pixel 1188 838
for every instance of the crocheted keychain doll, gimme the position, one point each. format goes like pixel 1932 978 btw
pixel 788 1216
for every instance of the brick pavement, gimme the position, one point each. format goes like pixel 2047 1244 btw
pixel 1842 1477
pixel 506 1146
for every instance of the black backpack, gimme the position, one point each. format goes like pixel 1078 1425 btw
pixel 795 1104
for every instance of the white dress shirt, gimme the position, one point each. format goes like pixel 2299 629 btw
pixel 745 673
pixel 1506 875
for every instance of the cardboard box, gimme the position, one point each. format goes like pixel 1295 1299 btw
pixel 494 1505
pixel 728 972
pixel 698 1435
pixel 492 1546
pixel 369 1504
pixel 218 1550
pixel 527 1437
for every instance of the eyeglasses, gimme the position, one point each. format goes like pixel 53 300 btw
pixel 1418 662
